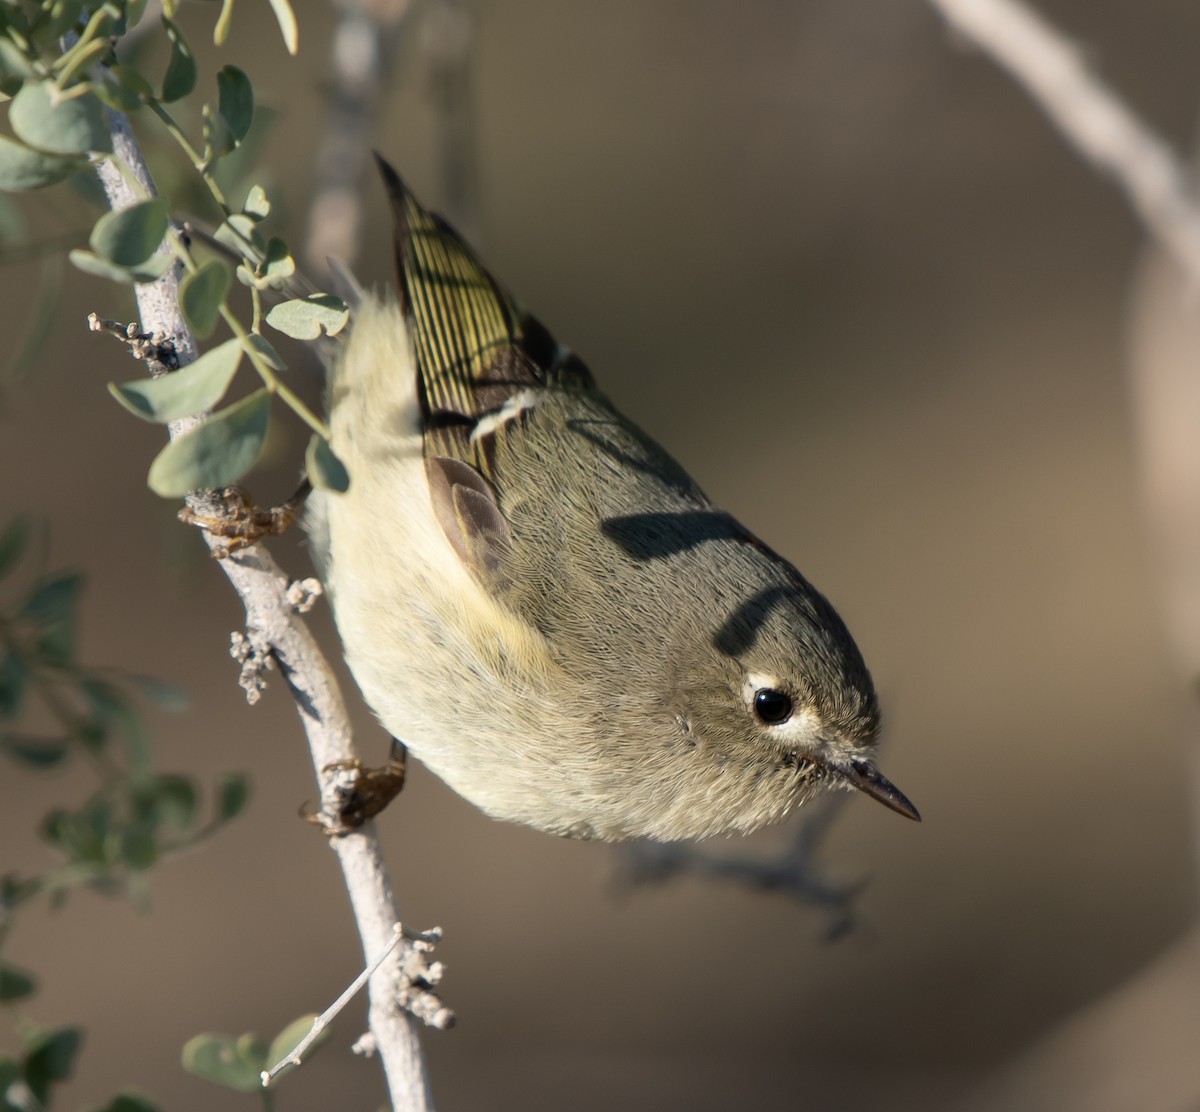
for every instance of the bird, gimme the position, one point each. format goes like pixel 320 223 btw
pixel 542 604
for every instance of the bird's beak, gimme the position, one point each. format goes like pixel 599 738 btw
pixel 865 778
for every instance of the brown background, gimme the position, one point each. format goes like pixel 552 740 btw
pixel 851 278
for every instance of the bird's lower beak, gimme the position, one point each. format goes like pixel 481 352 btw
pixel 865 778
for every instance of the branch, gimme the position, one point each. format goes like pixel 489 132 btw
pixel 1092 117
pixel 795 872
pixel 363 47
pixel 274 627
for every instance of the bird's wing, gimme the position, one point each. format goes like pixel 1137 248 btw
pixel 479 355
pixel 477 349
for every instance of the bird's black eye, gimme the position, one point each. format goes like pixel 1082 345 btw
pixel 772 707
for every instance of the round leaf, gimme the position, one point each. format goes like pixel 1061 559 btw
pixel 14 539
pixel 266 352
pixel 180 78
pixel 195 388
pixel 235 101
pixel 306 318
pixel 23 168
pixel 137 847
pixel 175 801
pixel 326 471
pixel 258 205
pixel 14 985
pixel 226 1061
pixel 129 1102
pixel 215 454
pixel 291 1036
pixel 35 752
pixel 154 267
pixel 45 120
pixel 49 1057
pixel 129 236
pixel 233 791
pixel 201 295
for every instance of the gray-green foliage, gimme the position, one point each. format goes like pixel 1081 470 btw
pixel 61 68
pixel 110 840
pixel 238 1061
pixel 57 116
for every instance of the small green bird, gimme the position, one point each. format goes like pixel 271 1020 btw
pixel 542 604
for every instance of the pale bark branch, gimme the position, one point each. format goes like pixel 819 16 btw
pixel 273 625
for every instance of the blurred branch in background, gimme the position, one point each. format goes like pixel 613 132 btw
pixel 1101 1058
pixel 447 39
pixel 1091 116
pixel 1084 1063
pixel 365 44
pixel 795 872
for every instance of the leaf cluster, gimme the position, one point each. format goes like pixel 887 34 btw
pixel 60 71
pixel 133 818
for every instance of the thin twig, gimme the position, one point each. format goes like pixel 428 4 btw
pixel 1092 117
pixel 271 621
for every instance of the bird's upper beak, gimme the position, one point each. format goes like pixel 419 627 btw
pixel 866 778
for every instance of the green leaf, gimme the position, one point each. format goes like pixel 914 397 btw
pixel 52 606
pixel 235 101
pixel 175 801
pixel 44 120
pixel 10 1072
pixel 216 453
pixel 123 88
pixel 291 1036
pixel 36 752
pixel 287 24
pixel 15 985
pixel 13 62
pixel 22 168
pixel 233 792
pixel 88 837
pixel 326 471
pixel 53 600
pixel 131 79
pixel 239 233
pixel 180 78
pixel 13 542
pixel 161 694
pixel 57 18
pixel 134 10
pixel 224 1060
pixel 195 388
pixel 13 675
pixel 266 352
pixel 129 236
pixel 278 266
pixel 258 205
pixel 137 847
pixel 149 271
pixel 201 295
pixel 129 1102
pixel 218 139
pixel 305 318
pixel 49 1056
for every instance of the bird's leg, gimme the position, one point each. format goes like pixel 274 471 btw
pixel 240 523
pixel 354 794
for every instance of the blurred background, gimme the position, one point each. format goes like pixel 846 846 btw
pixel 845 271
